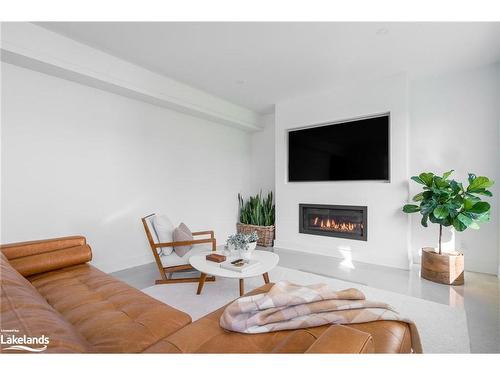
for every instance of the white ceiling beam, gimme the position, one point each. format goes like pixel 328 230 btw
pixel 33 47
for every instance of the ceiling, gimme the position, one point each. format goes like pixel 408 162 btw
pixel 256 64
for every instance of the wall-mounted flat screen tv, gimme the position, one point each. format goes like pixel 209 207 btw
pixel 354 150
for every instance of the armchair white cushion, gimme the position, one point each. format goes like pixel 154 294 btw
pixel 163 229
pixel 173 259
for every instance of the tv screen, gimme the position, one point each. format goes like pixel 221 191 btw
pixel 346 151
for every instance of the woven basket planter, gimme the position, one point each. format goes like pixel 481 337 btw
pixel 266 234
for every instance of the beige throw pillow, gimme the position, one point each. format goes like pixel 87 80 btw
pixel 185 228
pixel 182 233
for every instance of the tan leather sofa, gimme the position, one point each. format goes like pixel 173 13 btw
pixel 48 288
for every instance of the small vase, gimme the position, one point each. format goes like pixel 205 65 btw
pixel 245 254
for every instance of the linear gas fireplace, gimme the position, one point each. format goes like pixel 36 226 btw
pixel 334 221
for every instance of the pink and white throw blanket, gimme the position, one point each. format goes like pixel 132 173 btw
pixel 288 306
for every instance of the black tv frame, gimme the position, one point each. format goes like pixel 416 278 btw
pixel 365 117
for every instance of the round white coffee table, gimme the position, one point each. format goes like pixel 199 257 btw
pixel 267 260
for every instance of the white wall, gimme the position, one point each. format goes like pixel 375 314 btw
pixel 262 157
pixel 438 123
pixel 387 226
pixel 455 125
pixel 78 160
pixel 498 160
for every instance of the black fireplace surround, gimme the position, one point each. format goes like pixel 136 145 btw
pixel 334 221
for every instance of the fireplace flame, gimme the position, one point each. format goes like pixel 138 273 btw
pixel 336 226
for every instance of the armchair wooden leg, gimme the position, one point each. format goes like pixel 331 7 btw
pixel 266 277
pixel 203 276
pixel 242 287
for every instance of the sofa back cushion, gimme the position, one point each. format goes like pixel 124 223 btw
pixel 28 248
pixel 51 260
pixel 25 312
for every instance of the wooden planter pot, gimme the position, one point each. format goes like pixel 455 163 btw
pixel 447 268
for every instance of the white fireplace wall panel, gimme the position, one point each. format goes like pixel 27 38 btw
pixel 388 237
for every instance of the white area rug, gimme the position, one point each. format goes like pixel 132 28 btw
pixel 443 329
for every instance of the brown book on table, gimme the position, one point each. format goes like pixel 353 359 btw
pixel 218 258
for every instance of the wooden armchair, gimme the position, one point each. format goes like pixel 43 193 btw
pixel 168 264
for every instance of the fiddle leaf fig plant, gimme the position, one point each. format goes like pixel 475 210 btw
pixel 447 202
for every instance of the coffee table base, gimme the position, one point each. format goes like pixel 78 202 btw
pixel 203 277
pixel 242 287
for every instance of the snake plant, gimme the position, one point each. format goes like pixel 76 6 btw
pixel 257 210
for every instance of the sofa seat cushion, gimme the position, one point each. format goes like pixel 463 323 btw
pixel 175 260
pixel 112 316
pixel 24 311
pixel 206 336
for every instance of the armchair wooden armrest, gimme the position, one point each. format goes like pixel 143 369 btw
pixel 210 232
pixel 187 243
